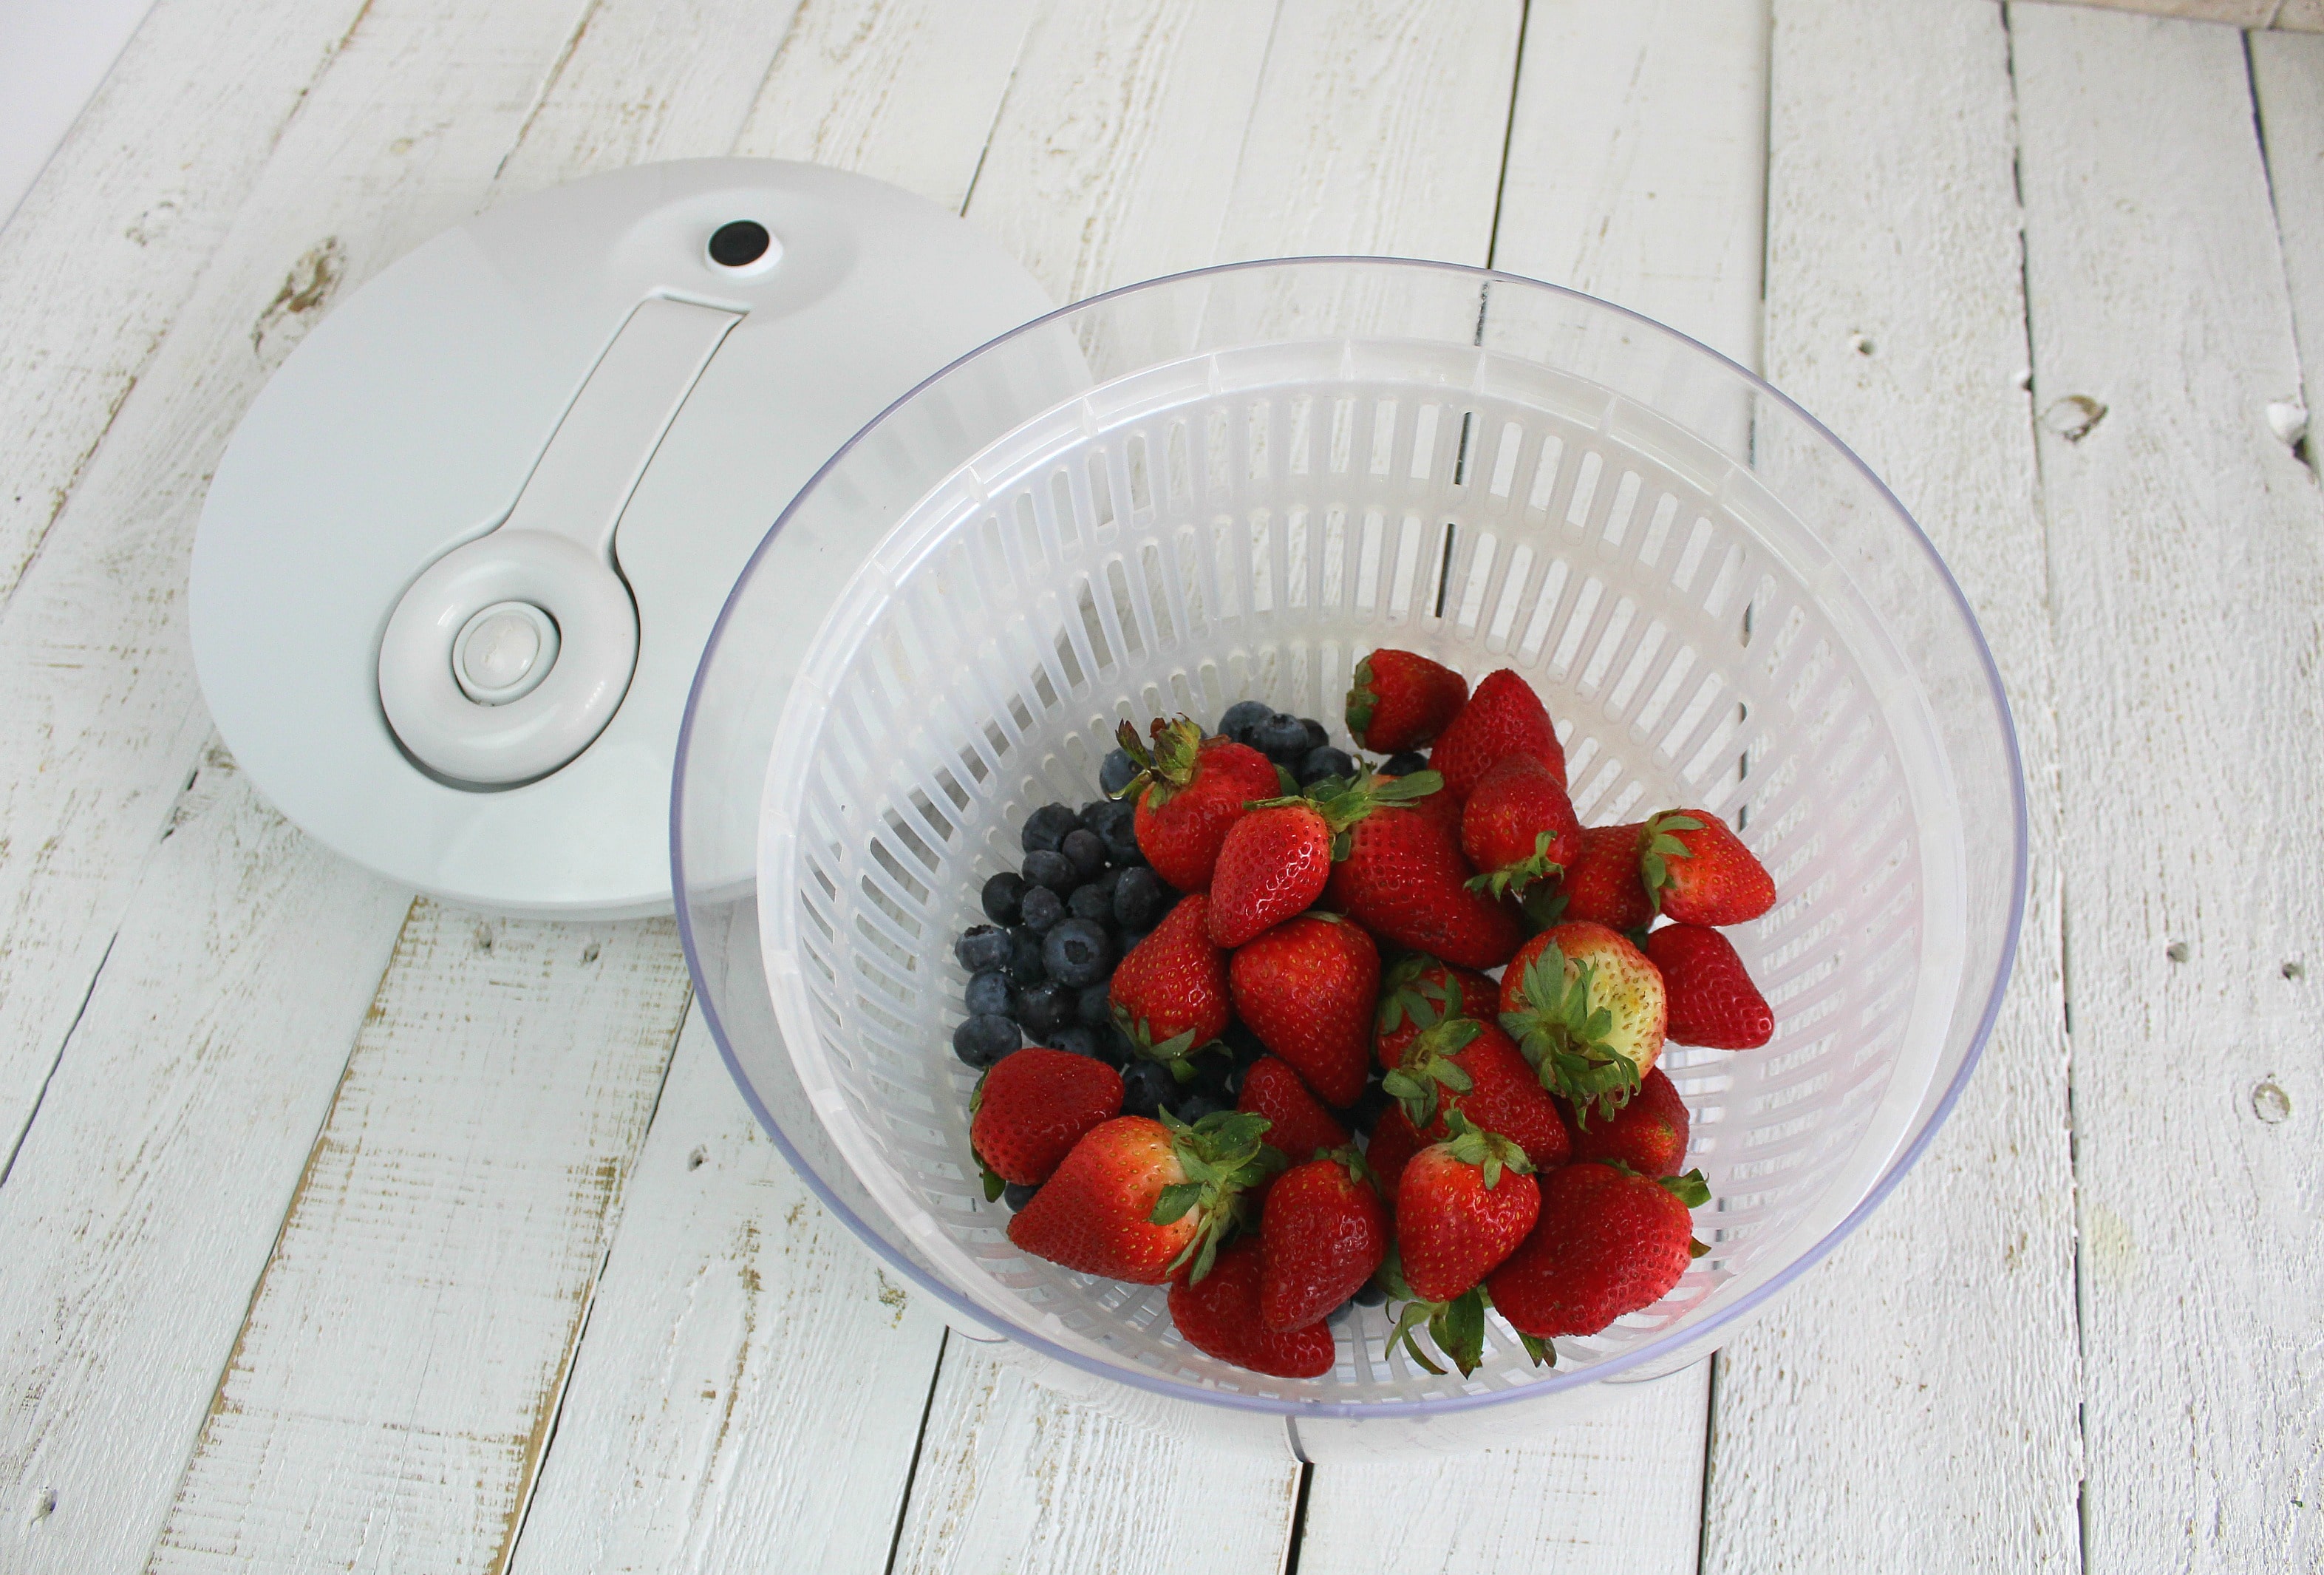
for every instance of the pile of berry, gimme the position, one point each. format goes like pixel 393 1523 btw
pixel 1272 1067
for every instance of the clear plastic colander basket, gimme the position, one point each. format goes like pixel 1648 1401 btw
pixel 1234 484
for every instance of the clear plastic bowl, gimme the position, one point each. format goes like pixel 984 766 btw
pixel 1232 483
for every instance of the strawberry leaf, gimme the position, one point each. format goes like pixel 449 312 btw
pixel 1689 1189
pixel 1565 1038
pixel 993 1184
pixel 1695 1249
pixel 1458 1327
pixel 1657 846
pixel 1543 1354
pixel 1174 1201
pixel 1362 701
pixel 1407 1326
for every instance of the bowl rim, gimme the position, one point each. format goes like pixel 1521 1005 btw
pixel 1663 1345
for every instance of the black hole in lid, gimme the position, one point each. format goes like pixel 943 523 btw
pixel 739 244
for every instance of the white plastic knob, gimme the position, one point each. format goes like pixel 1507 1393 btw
pixel 503 653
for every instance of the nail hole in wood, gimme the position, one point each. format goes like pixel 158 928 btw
pixel 589 953
pixel 2072 417
pixel 1860 343
pixel 694 1161
pixel 483 939
pixel 2294 968
pixel 2270 1103
pixel 2176 952
pixel 44 1504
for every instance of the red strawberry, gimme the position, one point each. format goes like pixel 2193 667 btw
pixel 1461 1207
pixel 1475 1069
pixel 1403 880
pixel 1417 992
pixel 1170 992
pixel 1219 1316
pixel 1189 791
pixel 1393 1144
pixel 1136 1198
pixel 1610 1242
pixel 1276 859
pixel 1324 1234
pixel 1601 886
pixel 1519 827
pixel 1503 717
pixel 1699 871
pixel 1648 1134
pixel 1297 1127
pixel 1712 1000
pixel 1306 988
pixel 1400 700
pixel 1028 1112
pixel 1587 1009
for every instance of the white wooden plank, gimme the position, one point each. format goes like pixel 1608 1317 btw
pixel 108 242
pixel 393 1388
pixel 751 1383
pixel 2233 13
pixel 142 1206
pixel 1894 312
pixel 1635 153
pixel 2288 82
pixel 2187 574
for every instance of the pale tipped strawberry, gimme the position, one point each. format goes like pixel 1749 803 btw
pixel 1519 827
pixel 1463 1206
pixel 1400 700
pixel 1170 994
pixel 1587 1009
pixel 1698 872
pixel 1403 879
pixel 1190 791
pixel 1307 987
pixel 1712 1000
pixel 1219 1315
pixel 1610 1242
pixel 1324 1236
pixel 1138 1199
pixel 1503 717
pixel 1298 1126
pixel 1030 1110
pixel 1648 1134
pixel 1601 886
pixel 1474 1068
pixel 1275 860
pixel 1417 992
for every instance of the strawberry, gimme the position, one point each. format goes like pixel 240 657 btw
pixel 1602 886
pixel 1324 1234
pixel 1462 1206
pixel 1189 791
pixel 1298 1127
pixel 1712 1000
pixel 1503 717
pixel 1028 1111
pixel 1403 880
pixel 1393 1143
pixel 1481 1074
pixel 1399 700
pixel 1519 827
pixel 1587 1009
pixel 1648 1134
pixel 1610 1242
pixel 1219 1316
pixel 1306 988
pixel 1417 993
pixel 1137 1198
pixel 1170 992
pixel 1698 872
pixel 1276 859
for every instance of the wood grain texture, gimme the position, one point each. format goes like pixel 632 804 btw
pixel 1895 312
pixel 106 246
pixel 2288 83
pixel 144 1203
pixel 391 1391
pixel 2304 14
pixel 752 1380
pixel 2187 573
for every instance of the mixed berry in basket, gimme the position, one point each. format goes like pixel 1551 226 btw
pixel 1241 1032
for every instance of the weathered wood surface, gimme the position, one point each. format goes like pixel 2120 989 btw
pixel 2303 14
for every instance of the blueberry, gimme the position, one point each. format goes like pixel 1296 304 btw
pixel 1318 764
pixel 985 1039
pixel 1097 817
pixel 1017 1194
pixel 1211 1074
pixel 1128 943
pixel 990 993
pixel 1243 1044
pixel 1113 773
pixel 1365 1113
pixel 1046 827
pixel 1192 1107
pixel 980 946
pixel 1044 1009
pixel 1093 1007
pixel 1053 870
pixel 1076 1041
pixel 1138 900
pixel 1282 739
pixel 1120 834
pixel 1001 895
pixel 1077 952
pixel 1093 901
pixel 1369 1294
pixel 1024 964
pixel 1404 764
pixel 1233 1083
pixel 1113 1046
pixel 1085 851
pixel 1242 716
pixel 1317 733
pixel 1043 909
pixel 1146 1087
